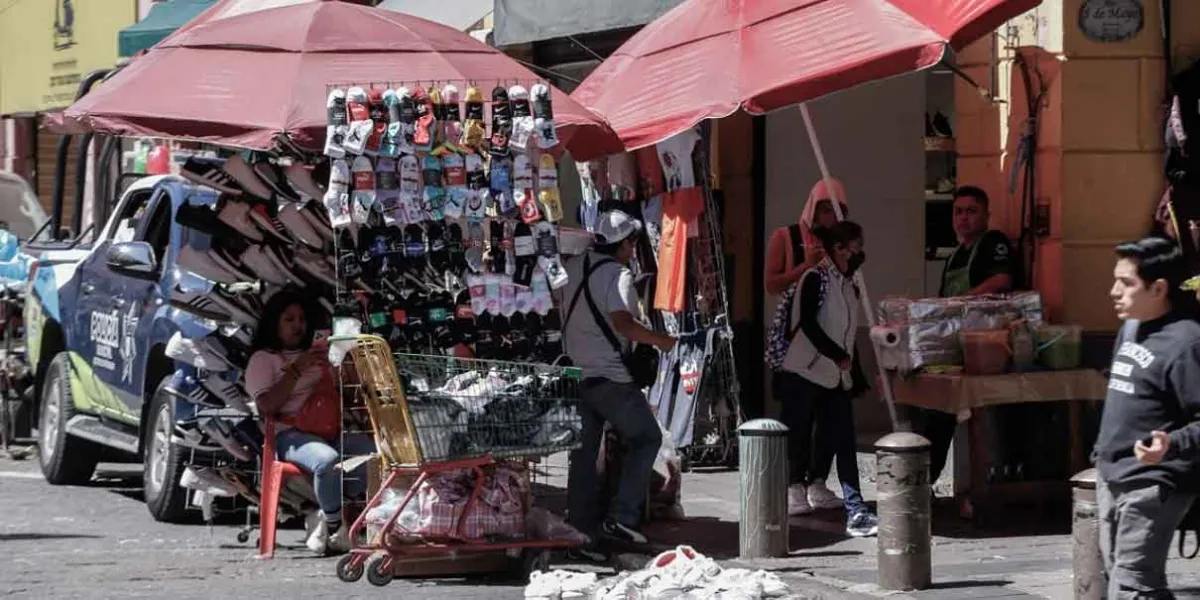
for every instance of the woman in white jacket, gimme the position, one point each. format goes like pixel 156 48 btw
pixel 818 367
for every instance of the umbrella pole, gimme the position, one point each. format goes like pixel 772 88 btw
pixel 884 380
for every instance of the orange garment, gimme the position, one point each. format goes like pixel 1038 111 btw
pixel 679 208
pixel 650 175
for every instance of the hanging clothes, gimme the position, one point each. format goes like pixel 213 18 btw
pixel 679 208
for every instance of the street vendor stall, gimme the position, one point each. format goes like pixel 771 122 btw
pixel 376 200
pixel 965 356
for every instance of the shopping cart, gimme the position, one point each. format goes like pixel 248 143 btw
pixel 435 414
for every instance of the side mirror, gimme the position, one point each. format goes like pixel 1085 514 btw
pixel 132 258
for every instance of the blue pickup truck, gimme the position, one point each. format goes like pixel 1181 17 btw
pixel 97 324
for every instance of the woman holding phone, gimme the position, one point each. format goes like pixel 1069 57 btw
pixel 291 381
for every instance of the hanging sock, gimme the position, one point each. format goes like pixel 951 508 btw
pixel 501 123
pixel 522 118
pixel 474 253
pixel 361 126
pixel 337 195
pixel 408 121
pixel 547 179
pixel 434 196
pixel 393 134
pixel 477 188
pixel 408 208
pixel 337 124
pixel 548 258
pixel 387 188
pixel 423 128
pixel 364 196
pixel 456 185
pixel 543 122
pixel 525 254
pixel 473 129
pixel 378 112
pixel 452 126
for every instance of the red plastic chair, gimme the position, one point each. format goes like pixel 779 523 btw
pixel 274 473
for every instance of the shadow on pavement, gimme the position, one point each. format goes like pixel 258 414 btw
pixel 27 537
pixel 969 583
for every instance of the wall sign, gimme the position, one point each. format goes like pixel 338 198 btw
pixel 1111 20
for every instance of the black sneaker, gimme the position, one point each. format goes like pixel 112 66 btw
pixel 862 524
pixel 617 531
pixel 588 553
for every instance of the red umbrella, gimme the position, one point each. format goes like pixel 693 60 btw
pixel 706 58
pixel 242 77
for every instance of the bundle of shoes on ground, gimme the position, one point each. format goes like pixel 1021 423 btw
pixel 678 573
pixel 248 231
pixel 447 235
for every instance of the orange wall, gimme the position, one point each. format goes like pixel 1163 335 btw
pixel 1100 143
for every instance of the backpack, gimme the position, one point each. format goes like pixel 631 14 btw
pixel 781 332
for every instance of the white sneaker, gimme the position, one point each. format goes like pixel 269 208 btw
pixel 339 542
pixel 798 500
pixel 318 538
pixel 821 498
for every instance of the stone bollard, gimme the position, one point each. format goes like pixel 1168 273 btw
pixel 763 467
pixel 902 483
pixel 1087 564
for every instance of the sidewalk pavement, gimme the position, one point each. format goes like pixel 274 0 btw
pixel 1026 553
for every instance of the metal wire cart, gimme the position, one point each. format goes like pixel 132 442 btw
pixel 454 424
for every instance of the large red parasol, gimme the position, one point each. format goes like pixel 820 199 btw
pixel 706 58
pixel 242 75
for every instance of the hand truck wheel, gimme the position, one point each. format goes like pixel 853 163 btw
pixel 243 536
pixel 348 569
pixel 379 570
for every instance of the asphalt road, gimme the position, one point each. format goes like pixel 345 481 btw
pixel 99 541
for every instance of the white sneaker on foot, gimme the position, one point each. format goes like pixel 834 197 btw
pixel 798 500
pixel 821 497
pixel 339 542
pixel 318 539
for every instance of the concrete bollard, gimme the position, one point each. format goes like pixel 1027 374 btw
pixel 902 483
pixel 1087 564
pixel 763 468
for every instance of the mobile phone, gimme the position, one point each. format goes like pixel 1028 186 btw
pixel 321 336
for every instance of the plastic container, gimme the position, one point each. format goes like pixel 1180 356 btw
pixel 986 351
pixel 1060 347
pixel 1024 352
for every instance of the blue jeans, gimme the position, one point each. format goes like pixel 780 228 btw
pixel 315 455
pixel 833 413
pixel 624 405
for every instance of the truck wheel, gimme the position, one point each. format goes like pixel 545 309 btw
pixel 65 460
pixel 162 465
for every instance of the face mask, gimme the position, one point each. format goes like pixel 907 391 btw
pixel 855 262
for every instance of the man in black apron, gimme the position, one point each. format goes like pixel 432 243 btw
pixel 981 264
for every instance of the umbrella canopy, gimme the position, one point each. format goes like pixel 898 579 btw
pixel 241 77
pixel 707 58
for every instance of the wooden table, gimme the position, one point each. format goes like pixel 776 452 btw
pixel 961 395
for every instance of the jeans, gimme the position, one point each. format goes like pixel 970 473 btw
pixel 316 456
pixel 623 405
pixel 809 455
pixel 833 413
pixel 1137 525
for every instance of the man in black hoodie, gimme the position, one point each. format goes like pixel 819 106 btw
pixel 1149 444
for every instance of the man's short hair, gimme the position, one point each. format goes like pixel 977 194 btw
pixel 975 193
pixel 1156 258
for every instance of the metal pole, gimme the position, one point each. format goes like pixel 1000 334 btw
pixel 763 468
pixel 859 278
pixel 902 483
pixel 1087 564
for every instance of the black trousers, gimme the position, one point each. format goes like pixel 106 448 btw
pixel 809 456
pixel 937 427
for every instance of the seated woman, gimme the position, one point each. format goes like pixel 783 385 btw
pixel 291 381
